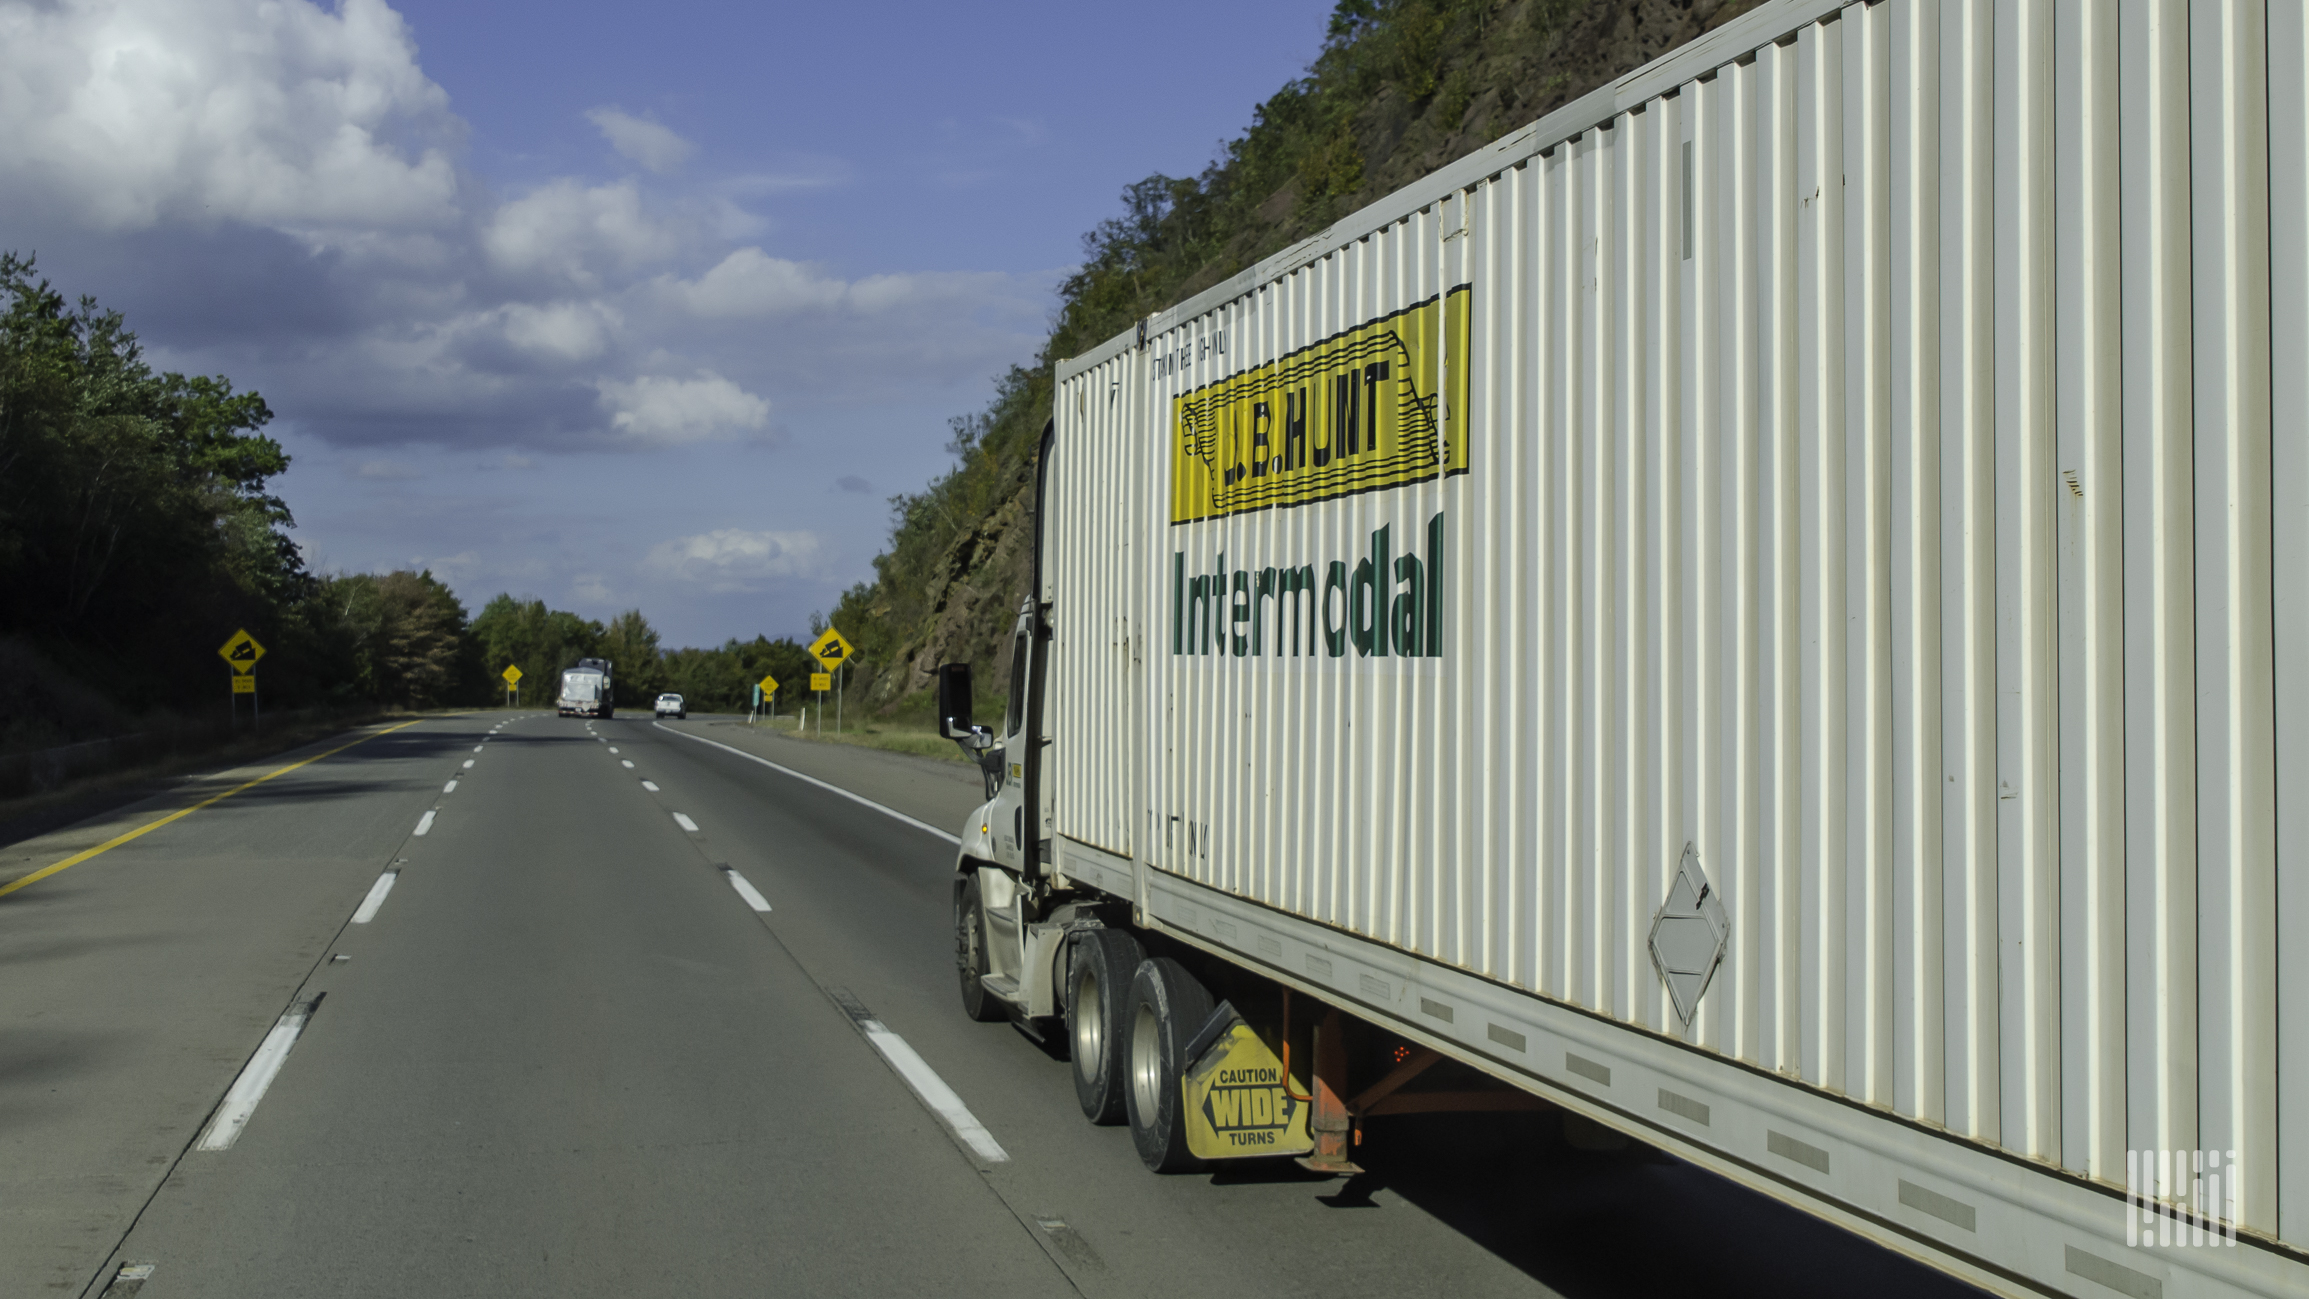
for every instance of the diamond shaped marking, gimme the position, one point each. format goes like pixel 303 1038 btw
pixel 1688 935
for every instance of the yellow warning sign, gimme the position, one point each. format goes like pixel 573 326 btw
pixel 769 684
pixel 1239 1103
pixel 244 683
pixel 242 651
pixel 821 681
pixel 512 675
pixel 831 650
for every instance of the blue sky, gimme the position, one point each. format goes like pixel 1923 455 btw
pixel 613 305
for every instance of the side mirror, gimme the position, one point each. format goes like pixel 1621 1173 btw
pixel 954 700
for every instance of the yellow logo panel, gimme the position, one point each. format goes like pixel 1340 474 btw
pixel 1381 405
pixel 1239 1103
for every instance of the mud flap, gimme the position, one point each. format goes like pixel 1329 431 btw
pixel 1238 1103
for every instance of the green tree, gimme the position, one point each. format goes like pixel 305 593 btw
pixel 538 640
pixel 630 644
pixel 136 531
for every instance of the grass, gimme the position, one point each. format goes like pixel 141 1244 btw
pixel 923 740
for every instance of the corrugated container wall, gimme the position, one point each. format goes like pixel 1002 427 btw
pixel 1865 461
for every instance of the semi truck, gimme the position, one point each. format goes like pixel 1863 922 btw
pixel 588 690
pixel 1744 613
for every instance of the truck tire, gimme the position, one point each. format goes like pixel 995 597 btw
pixel 1167 1006
pixel 970 957
pixel 1097 1007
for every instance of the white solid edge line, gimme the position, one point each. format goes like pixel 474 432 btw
pixel 934 1092
pixel 893 813
pixel 649 785
pixel 424 823
pixel 376 898
pixel 685 823
pixel 249 1088
pixel 746 890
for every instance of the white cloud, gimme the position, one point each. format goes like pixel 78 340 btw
pixel 283 114
pixel 575 231
pixel 750 282
pixel 732 559
pixel 291 175
pixel 658 411
pixel 652 145
pixel 591 587
pixel 565 331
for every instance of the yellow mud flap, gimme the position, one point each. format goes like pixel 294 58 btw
pixel 1238 1103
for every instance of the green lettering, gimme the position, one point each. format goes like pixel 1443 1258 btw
pixel 1410 607
pixel 1239 612
pixel 1435 586
pixel 1335 633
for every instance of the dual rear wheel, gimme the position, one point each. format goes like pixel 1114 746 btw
pixel 1129 1018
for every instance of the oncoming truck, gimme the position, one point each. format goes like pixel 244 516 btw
pixel 587 690
pixel 1745 613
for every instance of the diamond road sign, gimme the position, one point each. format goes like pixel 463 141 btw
pixel 242 651
pixel 831 650
pixel 512 675
pixel 768 685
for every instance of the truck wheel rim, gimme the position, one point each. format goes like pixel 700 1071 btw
pixel 1146 1065
pixel 1089 1023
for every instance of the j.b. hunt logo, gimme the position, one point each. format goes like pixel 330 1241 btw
pixel 1380 405
pixel 2176 1198
pixel 1387 604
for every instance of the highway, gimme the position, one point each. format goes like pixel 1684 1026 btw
pixel 521 1029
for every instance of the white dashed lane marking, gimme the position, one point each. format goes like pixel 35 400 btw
pixel 628 763
pixel 746 890
pixel 425 823
pixel 249 1088
pixel 469 764
pixel 449 788
pixel 376 898
pixel 682 821
pixel 649 785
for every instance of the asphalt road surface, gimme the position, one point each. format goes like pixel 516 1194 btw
pixel 520 1029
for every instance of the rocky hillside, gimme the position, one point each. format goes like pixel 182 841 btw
pixel 1398 88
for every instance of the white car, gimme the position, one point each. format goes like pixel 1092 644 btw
pixel 671 706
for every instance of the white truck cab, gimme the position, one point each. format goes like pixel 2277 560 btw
pixel 1005 849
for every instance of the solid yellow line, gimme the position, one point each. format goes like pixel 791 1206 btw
pixel 150 826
